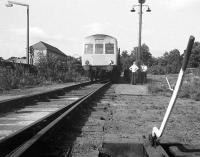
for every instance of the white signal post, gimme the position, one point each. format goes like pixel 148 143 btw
pixel 157 133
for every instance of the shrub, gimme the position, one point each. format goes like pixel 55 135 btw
pixel 155 88
pixel 50 70
pixel 16 78
pixel 58 70
pixel 191 88
pixel 157 70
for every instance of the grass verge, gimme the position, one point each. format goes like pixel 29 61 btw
pixel 190 87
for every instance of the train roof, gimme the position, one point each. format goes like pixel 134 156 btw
pixel 101 36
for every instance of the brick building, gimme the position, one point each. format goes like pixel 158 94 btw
pixel 43 49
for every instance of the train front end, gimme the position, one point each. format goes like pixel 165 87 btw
pixel 100 57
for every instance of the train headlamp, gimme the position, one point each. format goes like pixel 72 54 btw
pixel 87 62
pixel 111 62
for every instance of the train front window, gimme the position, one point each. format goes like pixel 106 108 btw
pixel 88 48
pixel 109 48
pixel 99 48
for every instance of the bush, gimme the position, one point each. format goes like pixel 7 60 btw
pixel 50 70
pixel 155 88
pixel 58 70
pixel 16 78
pixel 191 88
pixel 157 70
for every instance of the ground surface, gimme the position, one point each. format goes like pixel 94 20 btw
pixel 127 112
pixel 135 115
pixel 132 112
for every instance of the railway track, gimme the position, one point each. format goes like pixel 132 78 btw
pixel 101 128
pixel 49 109
pixel 122 132
pixel 18 112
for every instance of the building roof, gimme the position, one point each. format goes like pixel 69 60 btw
pixel 44 46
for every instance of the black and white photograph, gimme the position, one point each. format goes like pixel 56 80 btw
pixel 99 78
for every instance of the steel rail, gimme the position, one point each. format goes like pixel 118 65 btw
pixel 8 143
pixel 31 136
pixel 157 133
pixel 6 105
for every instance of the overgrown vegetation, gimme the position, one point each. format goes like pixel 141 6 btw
pixel 49 70
pixel 169 63
pixel 127 59
pixel 17 78
pixel 157 85
pixel 56 69
pixel 190 87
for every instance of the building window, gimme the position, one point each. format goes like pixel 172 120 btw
pixel 88 48
pixel 109 48
pixel 98 48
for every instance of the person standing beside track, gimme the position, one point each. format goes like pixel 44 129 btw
pixel 134 69
pixel 144 73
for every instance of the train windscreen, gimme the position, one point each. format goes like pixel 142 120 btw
pixel 88 48
pixel 98 48
pixel 109 48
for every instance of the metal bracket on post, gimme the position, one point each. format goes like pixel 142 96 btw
pixel 157 133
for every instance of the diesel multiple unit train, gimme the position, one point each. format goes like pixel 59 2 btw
pixel 101 57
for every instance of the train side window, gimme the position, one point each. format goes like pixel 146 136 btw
pixel 109 48
pixel 99 48
pixel 88 48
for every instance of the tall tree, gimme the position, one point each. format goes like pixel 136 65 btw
pixel 195 56
pixel 1 59
pixel 173 59
pixel 146 56
pixel 125 60
pixel 133 54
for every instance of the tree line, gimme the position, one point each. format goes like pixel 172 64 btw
pixel 169 62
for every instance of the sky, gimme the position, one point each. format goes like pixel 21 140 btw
pixel 65 23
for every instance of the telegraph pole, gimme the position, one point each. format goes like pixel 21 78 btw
pixel 139 59
pixel 140 32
